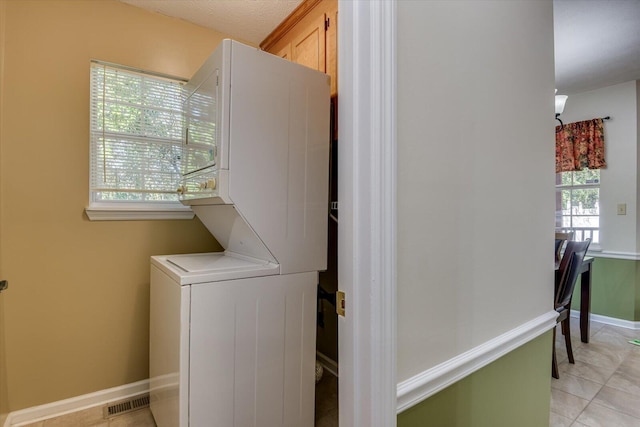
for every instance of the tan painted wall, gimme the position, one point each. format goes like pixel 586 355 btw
pixel 4 401
pixel 77 310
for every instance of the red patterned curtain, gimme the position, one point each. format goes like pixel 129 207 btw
pixel 580 145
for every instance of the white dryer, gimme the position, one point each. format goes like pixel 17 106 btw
pixel 232 334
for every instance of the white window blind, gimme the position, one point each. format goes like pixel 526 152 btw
pixel 136 133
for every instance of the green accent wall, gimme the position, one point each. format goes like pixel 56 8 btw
pixel 514 390
pixel 615 289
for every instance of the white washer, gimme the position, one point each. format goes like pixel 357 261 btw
pixel 233 346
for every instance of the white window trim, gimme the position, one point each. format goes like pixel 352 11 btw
pixel 136 211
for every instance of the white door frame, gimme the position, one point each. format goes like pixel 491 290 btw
pixel 367 212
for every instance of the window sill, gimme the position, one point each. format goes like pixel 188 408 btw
pixel 138 213
pixel 595 247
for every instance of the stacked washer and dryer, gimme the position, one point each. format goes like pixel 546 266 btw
pixel 232 334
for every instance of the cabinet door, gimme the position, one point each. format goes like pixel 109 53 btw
pixel 310 38
pixel 309 47
pixel 332 46
pixel 285 52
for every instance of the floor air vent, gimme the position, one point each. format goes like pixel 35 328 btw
pixel 124 406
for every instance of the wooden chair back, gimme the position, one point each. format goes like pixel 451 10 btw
pixel 573 256
pixel 559 243
pixel 572 246
pixel 562 237
pixel 565 235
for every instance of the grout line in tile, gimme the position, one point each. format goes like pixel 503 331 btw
pixel 601 386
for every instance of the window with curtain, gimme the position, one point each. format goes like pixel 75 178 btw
pixel 579 158
pixel 136 132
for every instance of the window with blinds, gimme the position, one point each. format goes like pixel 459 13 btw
pixel 136 133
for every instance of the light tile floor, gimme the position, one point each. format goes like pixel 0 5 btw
pixel 602 389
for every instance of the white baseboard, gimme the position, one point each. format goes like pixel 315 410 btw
pixel 327 363
pixel 74 404
pixel 418 388
pixel 628 324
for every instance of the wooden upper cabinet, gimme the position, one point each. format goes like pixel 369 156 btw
pixel 308 47
pixel 308 36
pixel 285 52
pixel 331 37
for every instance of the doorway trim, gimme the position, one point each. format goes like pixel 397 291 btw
pixel 367 227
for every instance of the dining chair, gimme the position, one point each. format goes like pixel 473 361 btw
pixel 562 237
pixel 559 243
pixel 569 271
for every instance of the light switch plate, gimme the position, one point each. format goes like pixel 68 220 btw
pixel 622 209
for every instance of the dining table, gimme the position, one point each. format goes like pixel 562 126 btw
pixel 585 296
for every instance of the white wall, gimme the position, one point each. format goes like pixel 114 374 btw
pixel 475 174
pixel 619 181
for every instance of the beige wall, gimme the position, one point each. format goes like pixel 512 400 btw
pixel 77 310
pixel 4 401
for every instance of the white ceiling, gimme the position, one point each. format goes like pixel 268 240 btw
pixel 248 20
pixel 597 42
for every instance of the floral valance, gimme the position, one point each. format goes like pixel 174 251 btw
pixel 580 145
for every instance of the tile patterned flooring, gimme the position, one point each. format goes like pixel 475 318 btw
pixel 602 389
